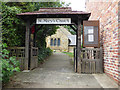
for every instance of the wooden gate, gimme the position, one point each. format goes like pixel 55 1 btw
pixel 91 60
pixel 34 58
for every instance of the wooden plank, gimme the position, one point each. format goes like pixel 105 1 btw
pixel 101 60
pixel 90 68
pixel 94 65
pixel 98 66
pixel 91 23
pixel 90 60
pixel 37 59
pixel 86 54
pixel 97 54
pixel 94 49
pixel 16 47
pixel 76 49
pixel 27 45
pixel 97 63
pixel 74 60
pixel 87 66
pixel 34 58
pixel 31 59
pixel 82 66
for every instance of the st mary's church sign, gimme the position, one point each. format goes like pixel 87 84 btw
pixel 53 21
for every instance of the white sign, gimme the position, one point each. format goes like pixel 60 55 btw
pixel 90 38
pixel 53 21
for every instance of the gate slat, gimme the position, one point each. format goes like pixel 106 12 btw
pixel 101 62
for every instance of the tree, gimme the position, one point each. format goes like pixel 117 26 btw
pixel 10 24
pixel 13 29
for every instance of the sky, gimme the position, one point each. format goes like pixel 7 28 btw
pixel 78 5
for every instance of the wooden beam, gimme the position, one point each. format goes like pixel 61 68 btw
pixel 76 50
pixel 79 46
pixel 27 45
pixel 34 40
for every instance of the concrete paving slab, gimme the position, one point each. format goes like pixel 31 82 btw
pixel 105 81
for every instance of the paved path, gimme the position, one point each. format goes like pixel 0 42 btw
pixel 57 72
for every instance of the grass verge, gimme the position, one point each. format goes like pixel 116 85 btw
pixel 69 54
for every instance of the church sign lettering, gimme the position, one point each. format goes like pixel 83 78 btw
pixel 53 21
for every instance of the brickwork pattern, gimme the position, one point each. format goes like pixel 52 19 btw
pixel 107 14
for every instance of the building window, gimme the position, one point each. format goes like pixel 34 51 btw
pixel 58 41
pixel 51 42
pixel 55 42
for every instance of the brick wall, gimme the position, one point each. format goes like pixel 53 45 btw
pixel 107 14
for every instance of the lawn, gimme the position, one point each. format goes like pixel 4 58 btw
pixel 69 54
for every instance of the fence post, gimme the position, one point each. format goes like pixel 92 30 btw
pixel 75 59
pixel 78 47
pixel 27 45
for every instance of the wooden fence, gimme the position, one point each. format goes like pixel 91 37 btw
pixel 19 52
pixel 91 60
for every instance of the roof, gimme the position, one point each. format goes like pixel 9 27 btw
pixel 64 31
pixel 51 10
pixel 59 12
pixel 72 39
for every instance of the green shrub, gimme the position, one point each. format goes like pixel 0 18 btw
pixel 9 64
pixel 43 53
